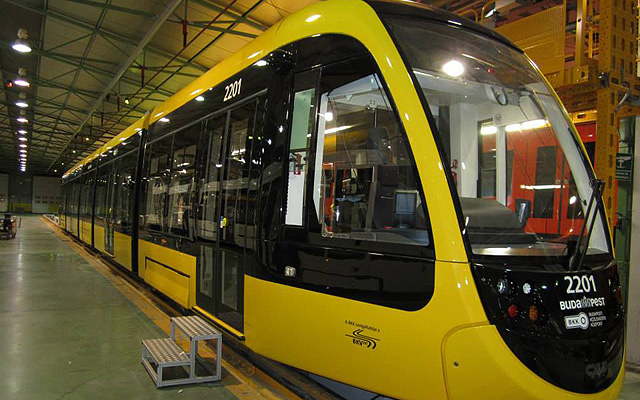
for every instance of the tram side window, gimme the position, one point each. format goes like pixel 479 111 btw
pixel 124 188
pixel 180 217
pixel 299 142
pixel 83 196
pixel 209 186
pixel 236 180
pixel 367 187
pixel 71 198
pixel 77 187
pixel 101 194
pixel 157 179
pixel 86 198
pixel 65 199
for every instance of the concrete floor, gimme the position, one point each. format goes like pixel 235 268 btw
pixel 69 333
pixel 631 389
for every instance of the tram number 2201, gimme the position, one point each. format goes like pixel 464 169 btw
pixel 580 284
pixel 232 90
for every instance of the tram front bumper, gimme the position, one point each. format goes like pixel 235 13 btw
pixel 479 365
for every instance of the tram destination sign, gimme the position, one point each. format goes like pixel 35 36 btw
pixel 624 166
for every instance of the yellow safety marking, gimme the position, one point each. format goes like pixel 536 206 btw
pixel 219 322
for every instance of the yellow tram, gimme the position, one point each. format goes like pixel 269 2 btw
pixel 361 193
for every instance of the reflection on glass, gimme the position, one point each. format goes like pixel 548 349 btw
pixel 180 215
pixel 301 128
pixel 210 186
pixel 367 188
pixel 157 182
pixel 229 279
pixel 206 261
pixel 511 151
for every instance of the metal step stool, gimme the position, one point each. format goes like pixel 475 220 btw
pixel 166 353
pixel 163 353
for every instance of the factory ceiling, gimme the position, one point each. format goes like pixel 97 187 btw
pixel 96 66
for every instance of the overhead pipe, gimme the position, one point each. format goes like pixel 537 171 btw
pixel 157 24
pixel 470 11
pixel 171 73
pixel 204 29
pixel 185 24
pixel 484 11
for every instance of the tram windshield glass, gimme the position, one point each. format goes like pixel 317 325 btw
pixel 523 184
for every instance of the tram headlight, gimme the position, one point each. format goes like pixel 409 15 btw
pixel 502 286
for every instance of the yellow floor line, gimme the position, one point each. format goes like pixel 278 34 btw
pixel 243 370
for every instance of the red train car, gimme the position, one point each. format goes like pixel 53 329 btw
pixel 539 178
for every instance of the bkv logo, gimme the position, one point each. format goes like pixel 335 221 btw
pixel 363 340
pixel 576 321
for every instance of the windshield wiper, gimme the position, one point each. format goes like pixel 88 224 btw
pixel 582 245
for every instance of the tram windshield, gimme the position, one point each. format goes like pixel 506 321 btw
pixel 523 184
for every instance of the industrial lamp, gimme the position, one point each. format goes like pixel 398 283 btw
pixel 21 80
pixel 22 44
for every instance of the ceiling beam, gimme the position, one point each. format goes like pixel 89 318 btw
pixel 242 18
pixel 86 68
pixel 103 32
pixel 157 23
pixel 204 24
pixel 205 48
pixel 85 55
pixel 79 58
pixel 114 8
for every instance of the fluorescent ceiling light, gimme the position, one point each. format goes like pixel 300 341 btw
pixel 337 129
pixel 534 124
pixel 540 187
pixel 513 128
pixel 22 82
pixel 488 130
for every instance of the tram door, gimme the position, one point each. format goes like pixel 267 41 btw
pixel 109 210
pixel 222 214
